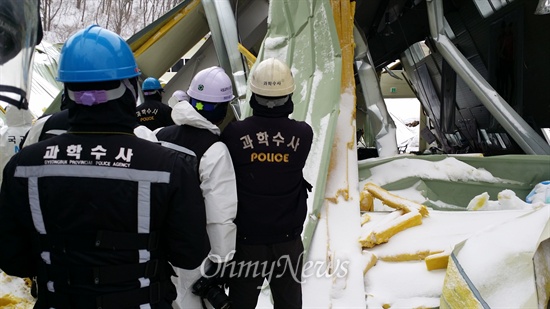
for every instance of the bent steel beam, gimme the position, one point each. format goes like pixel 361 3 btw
pixel 223 28
pixel 511 121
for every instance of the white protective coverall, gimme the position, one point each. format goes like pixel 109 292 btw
pixel 218 186
pixel 18 122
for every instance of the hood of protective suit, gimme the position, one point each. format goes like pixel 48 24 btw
pixel 184 114
pixel 16 117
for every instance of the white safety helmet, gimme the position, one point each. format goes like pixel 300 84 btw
pixel 272 78
pixel 211 85
pixel 180 95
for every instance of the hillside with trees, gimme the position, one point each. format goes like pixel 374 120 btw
pixel 62 18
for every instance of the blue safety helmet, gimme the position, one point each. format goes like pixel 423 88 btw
pixel 96 54
pixel 151 84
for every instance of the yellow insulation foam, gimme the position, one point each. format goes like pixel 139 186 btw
pixel 365 218
pixel 437 261
pixel 19 296
pixel 404 257
pixel 395 201
pixel 371 260
pixel 381 234
pixel 479 201
pixel 366 201
pixel 456 292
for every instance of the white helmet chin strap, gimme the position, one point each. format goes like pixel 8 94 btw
pixel 94 97
pixel 130 87
pixel 271 102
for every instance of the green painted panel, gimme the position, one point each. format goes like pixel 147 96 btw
pixel 524 170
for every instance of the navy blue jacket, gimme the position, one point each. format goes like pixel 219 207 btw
pixel 269 152
pixel 154 114
pixel 97 214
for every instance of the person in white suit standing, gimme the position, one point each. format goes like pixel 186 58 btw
pixel 196 132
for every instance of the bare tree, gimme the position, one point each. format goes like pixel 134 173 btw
pixel 63 32
pixel 49 10
pixel 144 7
pixel 106 11
pixel 105 5
pixel 83 3
pixel 153 12
pixel 121 13
pixel 116 15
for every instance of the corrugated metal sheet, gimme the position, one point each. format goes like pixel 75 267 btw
pixel 44 87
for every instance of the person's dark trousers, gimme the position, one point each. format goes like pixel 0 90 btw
pixel 280 264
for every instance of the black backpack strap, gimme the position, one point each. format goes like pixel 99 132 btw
pixel 153 294
pixel 68 275
pixel 126 241
pixel 101 240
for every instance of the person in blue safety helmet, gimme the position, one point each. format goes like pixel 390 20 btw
pixel 53 124
pixel 153 113
pixel 195 131
pixel 20 32
pixel 269 152
pixel 97 214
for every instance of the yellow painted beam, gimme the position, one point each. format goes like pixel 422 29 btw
pixel 344 12
pixel 250 58
pixel 164 29
pixel 345 141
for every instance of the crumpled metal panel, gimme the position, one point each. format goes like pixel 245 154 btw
pixel 378 123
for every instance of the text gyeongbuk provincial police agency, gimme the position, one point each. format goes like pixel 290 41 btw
pixel 263 138
pixel 124 156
